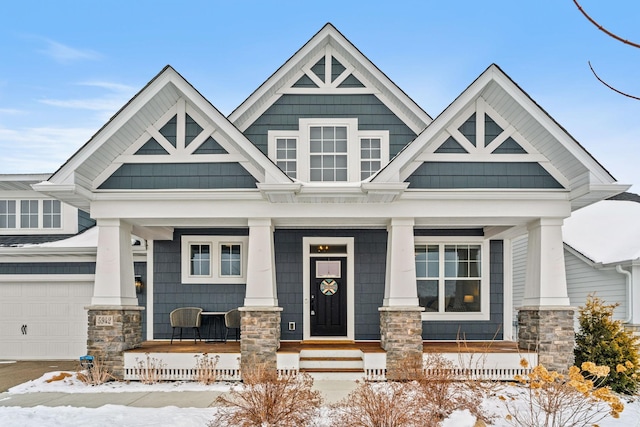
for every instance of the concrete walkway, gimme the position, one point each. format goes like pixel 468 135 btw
pixel 332 391
pixel 14 373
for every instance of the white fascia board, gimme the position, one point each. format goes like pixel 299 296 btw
pixel 72 194
pixel 65 173
pixel 472 211
pixel 551 126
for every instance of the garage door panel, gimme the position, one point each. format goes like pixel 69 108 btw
pixel 10 290
pixel 55 317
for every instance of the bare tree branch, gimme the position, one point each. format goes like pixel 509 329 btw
pixel 615 36
pixel 611 87
pixel 604 30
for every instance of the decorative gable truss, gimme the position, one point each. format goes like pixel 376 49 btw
pixel 180 136
pixel 329 75
pixel 480 135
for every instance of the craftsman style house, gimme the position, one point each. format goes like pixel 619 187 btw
pixel 329 206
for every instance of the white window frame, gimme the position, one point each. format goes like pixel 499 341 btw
pixel 353 146
pixel 485 284
pixel 52 215
pixel 287 160
pixel 14 215
pixel 215 274
pixel 19 228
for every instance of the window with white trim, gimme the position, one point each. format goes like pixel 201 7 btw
pixel 286 155
pixel 31 214
pixel 329 150
pixel 452 279
pixel 7 214
pixel 28 214
pixel 51 214
pixel 328 153
pixel 214 259
pixel 370 157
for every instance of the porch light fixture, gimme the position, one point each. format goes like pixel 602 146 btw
pixel 139 285
pixel 468 299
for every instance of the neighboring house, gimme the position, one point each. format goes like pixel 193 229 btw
pixel 602 256
pixel 47 266
pixel 329 206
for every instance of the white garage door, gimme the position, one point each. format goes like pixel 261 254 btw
pixel 41 320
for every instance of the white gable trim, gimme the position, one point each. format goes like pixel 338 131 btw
pixel 230 138
pixel 329 41
pixel 428 141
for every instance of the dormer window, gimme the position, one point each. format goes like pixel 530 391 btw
pixel 329 150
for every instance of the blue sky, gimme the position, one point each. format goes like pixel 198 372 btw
pixel 67 66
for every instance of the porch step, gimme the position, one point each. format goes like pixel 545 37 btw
pixel 331 360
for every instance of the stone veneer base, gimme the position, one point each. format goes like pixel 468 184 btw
pixel 401 338
pixel 550 332
pixel 259 337
pixel 112 330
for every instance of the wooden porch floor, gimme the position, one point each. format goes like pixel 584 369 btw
pixel 188 346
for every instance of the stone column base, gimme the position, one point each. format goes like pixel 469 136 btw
pixel 259 337
pixel 549 331
pixel 112 330
pixel 401 338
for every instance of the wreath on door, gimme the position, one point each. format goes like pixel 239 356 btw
pixel 328 287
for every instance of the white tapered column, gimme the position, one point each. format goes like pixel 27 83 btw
pixel 114 279
pixel 400 287
pixel 546 279
pixel 261 271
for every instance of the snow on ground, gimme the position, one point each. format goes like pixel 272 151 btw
pixel 116 415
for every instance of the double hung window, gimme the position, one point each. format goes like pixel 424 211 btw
pixel 452 278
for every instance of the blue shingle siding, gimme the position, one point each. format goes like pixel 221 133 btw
pixel 48 268
pixel 371 113
pixel 481 175
pixel 509 146
pixel 477 329
pixel 351 81
pixel 30 239
pixel 451 146
pixel 179 175
pixel 152 148
pixel 84 221
pixel 210 146
pixel 170 293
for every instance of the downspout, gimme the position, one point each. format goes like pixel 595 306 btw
pixel 621 270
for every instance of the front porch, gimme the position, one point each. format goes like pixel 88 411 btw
pixel 491 360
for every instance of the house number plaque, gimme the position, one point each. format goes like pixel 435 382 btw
pixel 104 320
pixel 328 287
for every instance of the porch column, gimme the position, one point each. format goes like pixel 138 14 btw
pixel 115 321
pixel 401 314
pixel 545 320
pixel 260 316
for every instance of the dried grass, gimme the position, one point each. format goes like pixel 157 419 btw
pixel 206 369
pixel 98 373
pixel 149 370
pixel 269 400
pixel 389 404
